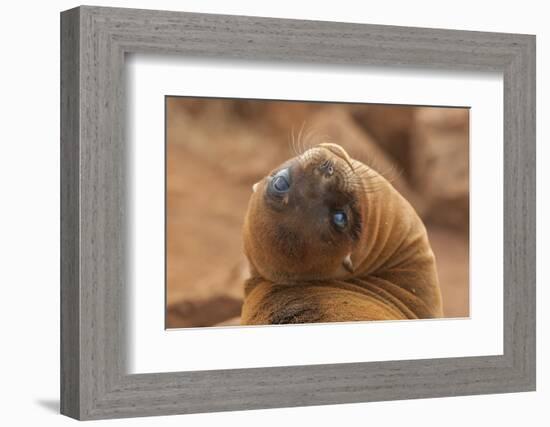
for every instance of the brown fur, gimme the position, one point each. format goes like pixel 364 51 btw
pixel 299 272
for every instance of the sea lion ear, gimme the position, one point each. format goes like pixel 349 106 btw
pixel 255 187
pixel 348 265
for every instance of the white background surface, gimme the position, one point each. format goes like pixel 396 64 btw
pixel 29 225
pixel 152 349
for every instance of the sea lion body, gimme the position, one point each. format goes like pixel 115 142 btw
pixel 377 266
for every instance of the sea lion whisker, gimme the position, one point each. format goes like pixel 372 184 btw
pixel 301 147
pixel 308 137
pixel 325 138
pixel 389 173
pixel 291 147
pixel 393 174
pixel 310 133
pixel 313 135
pixel 295 143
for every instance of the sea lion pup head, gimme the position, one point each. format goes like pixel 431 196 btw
pixel 304 219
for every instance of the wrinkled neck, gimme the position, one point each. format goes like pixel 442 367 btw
pixel 387 222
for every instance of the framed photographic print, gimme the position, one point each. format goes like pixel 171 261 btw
pixel 261 213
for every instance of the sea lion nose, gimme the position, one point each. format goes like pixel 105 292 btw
pixel 338 151
pixel 327 168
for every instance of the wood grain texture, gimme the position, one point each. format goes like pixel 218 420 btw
pixel 70 292
pixel 94 241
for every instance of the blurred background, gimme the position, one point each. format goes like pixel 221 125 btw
pixel 216 149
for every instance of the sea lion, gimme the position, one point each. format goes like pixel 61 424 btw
pixel 329 239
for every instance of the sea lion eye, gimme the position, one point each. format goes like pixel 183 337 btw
pixel 340 219
pixel 280 182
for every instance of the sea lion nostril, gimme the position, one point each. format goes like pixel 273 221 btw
pixel 327 167
pixel 338 151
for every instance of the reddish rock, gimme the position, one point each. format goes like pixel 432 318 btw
pixel 440 165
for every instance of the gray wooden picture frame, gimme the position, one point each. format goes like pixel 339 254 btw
pixel 94 41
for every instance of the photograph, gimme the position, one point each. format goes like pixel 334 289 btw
pixel 282 214
pixel 286 212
